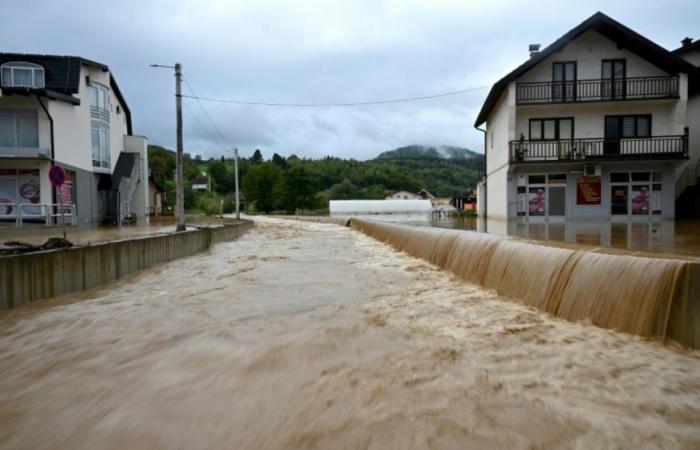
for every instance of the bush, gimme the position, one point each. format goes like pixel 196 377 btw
pixel 209 203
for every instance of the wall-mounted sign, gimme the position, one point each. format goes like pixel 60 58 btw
pixel 588 191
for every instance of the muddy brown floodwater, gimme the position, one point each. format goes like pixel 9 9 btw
pixel 306 335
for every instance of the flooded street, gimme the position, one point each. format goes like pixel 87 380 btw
pixel 313 336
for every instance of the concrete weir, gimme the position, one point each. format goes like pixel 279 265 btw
pixel 651 296
pixel 38 275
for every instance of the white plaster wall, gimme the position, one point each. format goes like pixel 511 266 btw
pixel 588 50
pixel 693 57
pixel 73 124
pixel 668 116
pixel 500 130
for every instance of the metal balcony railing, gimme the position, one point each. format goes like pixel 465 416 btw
pixel 99 113
pixel 598 90
pixel 600 149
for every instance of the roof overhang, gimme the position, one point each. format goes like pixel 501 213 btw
pixel 53 95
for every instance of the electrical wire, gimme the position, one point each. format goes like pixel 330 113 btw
pixel 211 121
pixel 205 129
pixel 317 105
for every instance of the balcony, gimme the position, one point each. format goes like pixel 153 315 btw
pixel 599 149
pixel 600 90
pixel 24 153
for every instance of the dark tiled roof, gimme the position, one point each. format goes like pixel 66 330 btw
pixel 608 27
pixel 686 48
pixel 62 77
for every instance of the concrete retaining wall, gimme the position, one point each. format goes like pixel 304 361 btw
pixel 33 276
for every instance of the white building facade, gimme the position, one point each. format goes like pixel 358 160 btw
pixel 69 111
pixel 595 126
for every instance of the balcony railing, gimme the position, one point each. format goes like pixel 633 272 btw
pixel 657 147
pixel 599 90
pixel 99 113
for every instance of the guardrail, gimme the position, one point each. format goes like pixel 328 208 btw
pixel 657 147
pixel 49 213
pixel 634 88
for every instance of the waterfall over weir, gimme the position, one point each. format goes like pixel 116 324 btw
pixel 652 297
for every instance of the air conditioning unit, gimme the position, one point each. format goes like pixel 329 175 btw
pixel 592 170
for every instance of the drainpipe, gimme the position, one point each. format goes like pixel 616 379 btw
pixel 485 173
pixel 53 156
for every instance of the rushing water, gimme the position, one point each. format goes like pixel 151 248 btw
pixel 680 237
pixel 304 335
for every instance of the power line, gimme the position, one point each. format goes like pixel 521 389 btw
pixel 189 86
pixel 315 105
pixel 201 124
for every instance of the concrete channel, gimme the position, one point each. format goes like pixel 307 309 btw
pixel 33 276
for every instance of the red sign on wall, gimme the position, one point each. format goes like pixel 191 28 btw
pixel 588 191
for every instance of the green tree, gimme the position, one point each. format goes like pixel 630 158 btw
pixel 296 189
pixel 279 161
pixel 221 177
pixel 257 157
pixel 344 190
pixel 259 185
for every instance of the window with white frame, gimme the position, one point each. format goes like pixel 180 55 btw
pixel 100 145
pixel 22 74
pixel 99 97
pixel 19 129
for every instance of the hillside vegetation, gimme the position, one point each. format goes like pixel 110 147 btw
pixel 298 183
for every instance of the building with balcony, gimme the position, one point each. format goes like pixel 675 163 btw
pixel 598 125
pixel 70 111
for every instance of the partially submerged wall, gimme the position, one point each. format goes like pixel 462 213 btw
pixel 33 276
pixel 654 297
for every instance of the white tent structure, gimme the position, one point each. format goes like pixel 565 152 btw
pixel 364 207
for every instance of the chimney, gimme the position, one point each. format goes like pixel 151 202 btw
pixel 534 49
pixel 687 41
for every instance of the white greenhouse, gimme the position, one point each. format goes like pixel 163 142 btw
pixel 363 207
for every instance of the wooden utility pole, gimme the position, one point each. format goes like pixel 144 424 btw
pixel 235 169
pixel 180 158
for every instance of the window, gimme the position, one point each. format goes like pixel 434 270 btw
pixel 100 145
pixel 551 129
pixel 19 129
pixel 628 127
pixel 21 74
pixel 99 103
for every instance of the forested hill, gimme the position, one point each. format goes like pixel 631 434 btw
pixel 292 182
pixel 429 152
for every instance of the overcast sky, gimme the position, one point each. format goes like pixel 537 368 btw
pixel 301 51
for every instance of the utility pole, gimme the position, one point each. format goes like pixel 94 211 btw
pixel 179 171
pixel 180 160
pixel 235 169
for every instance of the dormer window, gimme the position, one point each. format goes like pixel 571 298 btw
pixel 22 74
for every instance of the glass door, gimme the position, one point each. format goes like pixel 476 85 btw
pixel 613 79
pixel 564 81
pixel 613 132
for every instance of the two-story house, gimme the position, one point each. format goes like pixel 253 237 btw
pixel 67 110
pixel 594 126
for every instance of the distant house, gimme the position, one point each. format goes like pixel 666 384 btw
pixel 465 202
pixel 156 195
pixel 201 183
pixel 403 195
pixel 70 111
pixel 425 195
